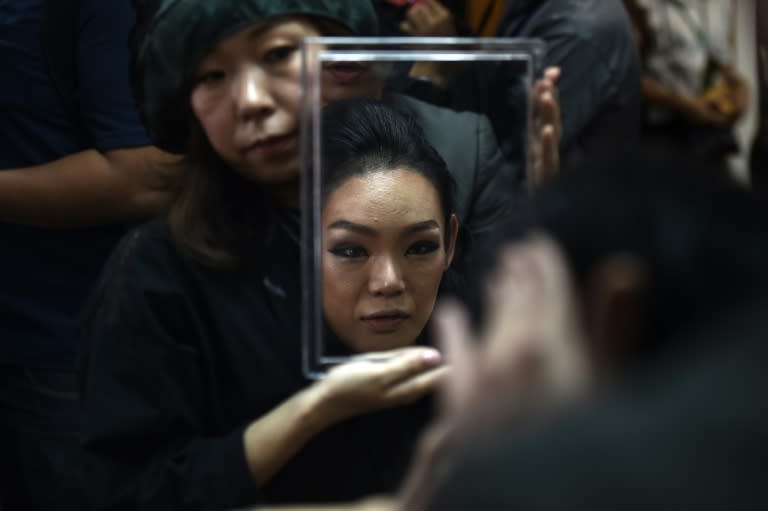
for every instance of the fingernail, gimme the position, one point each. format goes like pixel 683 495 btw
pixel 432 357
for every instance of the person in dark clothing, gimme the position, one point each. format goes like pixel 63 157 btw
pixel 76 168
pixel 193 395
pixel 192 391
pixel 624 360
pixel 591 42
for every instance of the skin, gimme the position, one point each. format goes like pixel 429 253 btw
pixel 385 252
pixel 247 97
pixel 89 188
pixel 429 18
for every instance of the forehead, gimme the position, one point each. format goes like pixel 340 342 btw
pixel 391 197
pixel 260 31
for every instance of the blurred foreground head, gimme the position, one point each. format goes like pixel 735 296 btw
pixel 654 252
pixel 669 279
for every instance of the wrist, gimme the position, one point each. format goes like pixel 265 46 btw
pixel 319 408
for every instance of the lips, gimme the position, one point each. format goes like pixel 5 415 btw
pixel 345 72
pixel 272 146
pixel 386 321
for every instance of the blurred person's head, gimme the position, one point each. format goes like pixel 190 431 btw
pixel 388 224
pixel 654 276
pixel 654 254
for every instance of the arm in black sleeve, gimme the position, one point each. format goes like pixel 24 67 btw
pixel 146 433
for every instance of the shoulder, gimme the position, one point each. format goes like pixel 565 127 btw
pixel 457 136
pixel 148 244
pixel 584 18
pixel 144 263
pixel 591 40
pixel 435 119
pixel 600 26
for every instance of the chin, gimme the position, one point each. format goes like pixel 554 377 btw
pixel 381 343
pixel 274 175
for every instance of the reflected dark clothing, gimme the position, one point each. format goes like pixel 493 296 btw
pixel 178 359
pixel 489 186
pixel 691 434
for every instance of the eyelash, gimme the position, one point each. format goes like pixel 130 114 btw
pixel 279 53
pixel 211 77
pixel 349 252
pixel 420 248
pixel 275 55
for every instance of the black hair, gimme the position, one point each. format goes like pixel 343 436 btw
pixel 363 136
pixel 703 239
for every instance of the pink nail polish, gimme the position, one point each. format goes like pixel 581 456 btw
pixel 432 357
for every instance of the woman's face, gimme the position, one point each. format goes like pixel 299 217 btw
pixel 384 254
pixel 247 97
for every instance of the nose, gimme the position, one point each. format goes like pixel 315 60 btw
pixel 386 278
pixel 252 96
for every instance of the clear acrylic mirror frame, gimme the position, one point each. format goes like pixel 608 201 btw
pixel 315 52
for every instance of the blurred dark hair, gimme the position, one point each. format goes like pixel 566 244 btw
pixel 703 239
pixel 362 136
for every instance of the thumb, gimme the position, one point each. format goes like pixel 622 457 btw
pixel 455 339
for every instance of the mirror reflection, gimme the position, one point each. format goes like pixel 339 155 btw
pixel 388 227
pixel 397 182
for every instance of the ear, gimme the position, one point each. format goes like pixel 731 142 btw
pixel 453 228
pixel 614 306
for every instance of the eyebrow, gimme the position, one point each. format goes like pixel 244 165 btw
pixel 368 231
pixel 253 33
pixel 263 27
pixel 258 30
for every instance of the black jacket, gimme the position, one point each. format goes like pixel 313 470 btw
pixel 178 359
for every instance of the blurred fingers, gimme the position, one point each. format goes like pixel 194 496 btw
pixel 413 387
pixel 407 363
pixel 455 338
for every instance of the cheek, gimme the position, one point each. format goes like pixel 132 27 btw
pixel 288 94
pixel 211 117
pixel 426 281
pixel 285 86
pixel 341 287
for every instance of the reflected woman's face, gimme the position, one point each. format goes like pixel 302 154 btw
pixel 384 254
